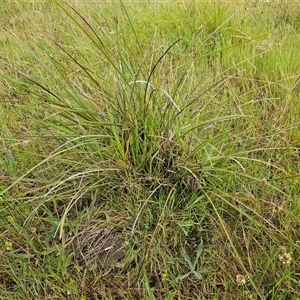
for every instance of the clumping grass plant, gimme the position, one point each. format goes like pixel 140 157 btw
pixel 149 150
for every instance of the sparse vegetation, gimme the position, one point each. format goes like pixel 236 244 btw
pixel 149 150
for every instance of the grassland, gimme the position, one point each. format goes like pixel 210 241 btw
pixel 149 150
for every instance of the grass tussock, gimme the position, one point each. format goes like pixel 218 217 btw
pixel 149 151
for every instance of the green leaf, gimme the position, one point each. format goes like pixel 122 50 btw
pixel 187 259
pixel 198 275
pixel 181 277
pixel 199 251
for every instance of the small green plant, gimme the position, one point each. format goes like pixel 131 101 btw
pixel 192 264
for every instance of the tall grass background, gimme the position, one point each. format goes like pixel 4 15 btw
pixel 149 150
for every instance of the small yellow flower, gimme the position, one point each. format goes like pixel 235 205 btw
pixel 8 246
pixel 285 258
pixel 240 279
pixel 164 276
pixel 264 181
